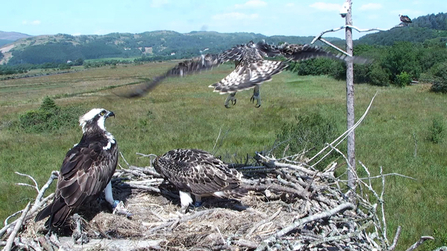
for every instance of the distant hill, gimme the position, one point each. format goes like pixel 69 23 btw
pixel 423 28
pixel 12 35
pixel 432 21
pixel 164 44
pixel 9 37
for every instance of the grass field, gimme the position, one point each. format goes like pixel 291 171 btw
pixel 185 113
pixel 130 59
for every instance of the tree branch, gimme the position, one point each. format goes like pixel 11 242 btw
pixel 303 221
pixel 16 229
pixel 419 242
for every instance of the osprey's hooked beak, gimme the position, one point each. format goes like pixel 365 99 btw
pixel 110 114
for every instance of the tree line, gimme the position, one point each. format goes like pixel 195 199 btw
pixel 400 56
pixel 399 64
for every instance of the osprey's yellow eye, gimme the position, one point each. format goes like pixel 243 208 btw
pixel 103 112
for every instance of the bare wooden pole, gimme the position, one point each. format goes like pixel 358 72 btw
pixel 347 14
pixel 350 100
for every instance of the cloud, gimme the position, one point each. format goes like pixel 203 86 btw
pixel 326 6
pixel 371 6
pixel 235 16
pixel 251 4
pixel 35 22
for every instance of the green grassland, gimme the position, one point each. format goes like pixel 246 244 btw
pixel 185 113
pixel 130 59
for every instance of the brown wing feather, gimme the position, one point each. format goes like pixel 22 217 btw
pixel 300 52
pixel 241 54
pixel 186 67
pixel 251 67
pixel 85 172
pixel 197 171
pixel 247 76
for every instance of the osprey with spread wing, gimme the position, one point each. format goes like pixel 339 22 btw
pixel 253 67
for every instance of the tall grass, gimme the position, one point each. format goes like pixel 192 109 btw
pixel 185 113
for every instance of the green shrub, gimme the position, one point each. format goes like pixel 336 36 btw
pixel 403 79
pixel 378 76
pixel 439 85
pixel 316 66
pixel 308 132
pixel 48 104
pixel 338 70
pixel 437 129
pixel 64 66
pixel 439 73
pixel 48 118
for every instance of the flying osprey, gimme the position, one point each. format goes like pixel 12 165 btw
pixel 199 173
pixel 252 67
pixel 86 170
pixel 405 19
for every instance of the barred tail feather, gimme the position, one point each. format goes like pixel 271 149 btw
pixel 236 193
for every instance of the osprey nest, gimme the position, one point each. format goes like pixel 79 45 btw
pixel 290 206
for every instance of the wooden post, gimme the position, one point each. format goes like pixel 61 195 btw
pixel 350 100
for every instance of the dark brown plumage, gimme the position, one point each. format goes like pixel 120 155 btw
pixel 86 170
pixel 198 172
pixel 405 19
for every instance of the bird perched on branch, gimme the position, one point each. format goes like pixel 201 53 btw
pixel 199 173
pixel 252 67
pixel 86 170
pixel 405 19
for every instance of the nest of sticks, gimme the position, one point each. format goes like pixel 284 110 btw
pixel 290 206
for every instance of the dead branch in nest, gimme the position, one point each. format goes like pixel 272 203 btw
pixel 303 221
pixel 16 229
pixel 396 238
pixel 173 222
pixel 38 203
pixel 419 242
pixel 117 244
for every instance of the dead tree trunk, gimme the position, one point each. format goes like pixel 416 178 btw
pixel 350 100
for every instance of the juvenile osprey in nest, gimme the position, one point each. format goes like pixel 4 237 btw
pixel 252 67
pixel 199 173
pixel 86 170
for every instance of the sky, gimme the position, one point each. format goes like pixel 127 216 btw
pixel 279 17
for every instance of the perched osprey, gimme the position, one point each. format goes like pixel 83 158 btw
pixel 405 19
pixel 199 173
pixel 86 170
pixel 252 67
